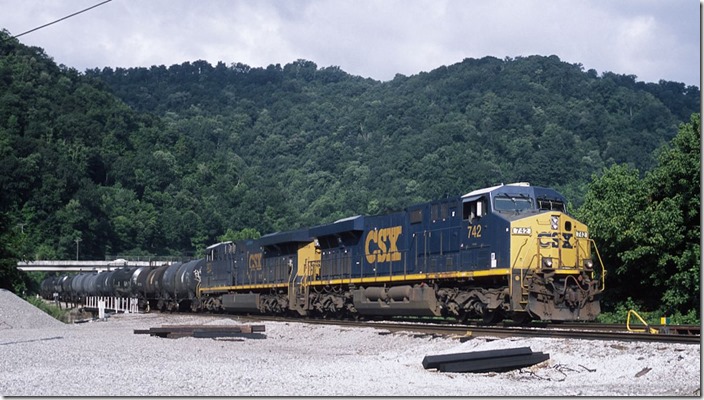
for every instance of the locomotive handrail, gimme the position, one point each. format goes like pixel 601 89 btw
pixel 580 249
pixel 603 270
pixel 510 287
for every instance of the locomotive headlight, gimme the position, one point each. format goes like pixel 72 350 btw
pixel 547 262
pixel 588 265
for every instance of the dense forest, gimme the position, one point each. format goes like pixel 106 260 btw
pixel 168 160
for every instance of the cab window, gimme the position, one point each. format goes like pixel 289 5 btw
pixel 551 205
pixel 512 203
pixel 474 209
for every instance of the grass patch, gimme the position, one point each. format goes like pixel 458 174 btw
pixel 54 311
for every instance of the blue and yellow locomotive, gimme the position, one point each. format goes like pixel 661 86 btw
pixel 509 251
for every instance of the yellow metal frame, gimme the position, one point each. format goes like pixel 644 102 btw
pixel 646 328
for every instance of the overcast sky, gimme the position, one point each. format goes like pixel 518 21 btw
pixel 652 39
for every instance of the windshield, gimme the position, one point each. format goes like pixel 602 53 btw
pixel 551 205
pixel 517 204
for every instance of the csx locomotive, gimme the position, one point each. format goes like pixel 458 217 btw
pixel 508 251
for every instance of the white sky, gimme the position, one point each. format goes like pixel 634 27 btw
pixel 652 39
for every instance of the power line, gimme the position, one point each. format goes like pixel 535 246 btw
pixel 61 19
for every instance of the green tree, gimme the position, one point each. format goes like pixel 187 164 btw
pixel 611 202
pixel 243 234
pixel 648 230
pixel 675 219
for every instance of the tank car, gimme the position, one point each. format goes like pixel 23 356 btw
pixel 166 295
pixel 77 286
pixel 138 285
pixel 58 284
pixel 102 287
pixel 186 283
pixel 90 284
pixel 152 288
pixel 67 293
pixel 121 281
pixel 46 288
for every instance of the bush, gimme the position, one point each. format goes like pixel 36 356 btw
pixel 50 309
pixel 620 314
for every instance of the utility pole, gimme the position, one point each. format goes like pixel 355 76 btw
pixel 78 240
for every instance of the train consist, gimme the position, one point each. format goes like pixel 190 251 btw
pixel 509 251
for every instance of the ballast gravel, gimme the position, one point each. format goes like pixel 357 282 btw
pixel 15 313
pixel 40 357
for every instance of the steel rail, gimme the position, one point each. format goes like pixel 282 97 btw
pixel 581 330
pixel 467 331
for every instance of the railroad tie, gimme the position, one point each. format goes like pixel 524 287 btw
pixel 485 361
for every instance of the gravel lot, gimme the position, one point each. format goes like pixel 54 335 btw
pixel 43 357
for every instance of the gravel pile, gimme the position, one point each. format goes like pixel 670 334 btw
pixel 105 358
pixel 16 313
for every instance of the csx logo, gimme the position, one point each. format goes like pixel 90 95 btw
pixel 547 239
pixel 255 261
pixel 380 245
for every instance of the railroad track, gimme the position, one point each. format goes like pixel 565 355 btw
pixel 615 332
pixel 684 334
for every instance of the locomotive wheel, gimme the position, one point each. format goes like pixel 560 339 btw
pixel 492 316
pixel 521 318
